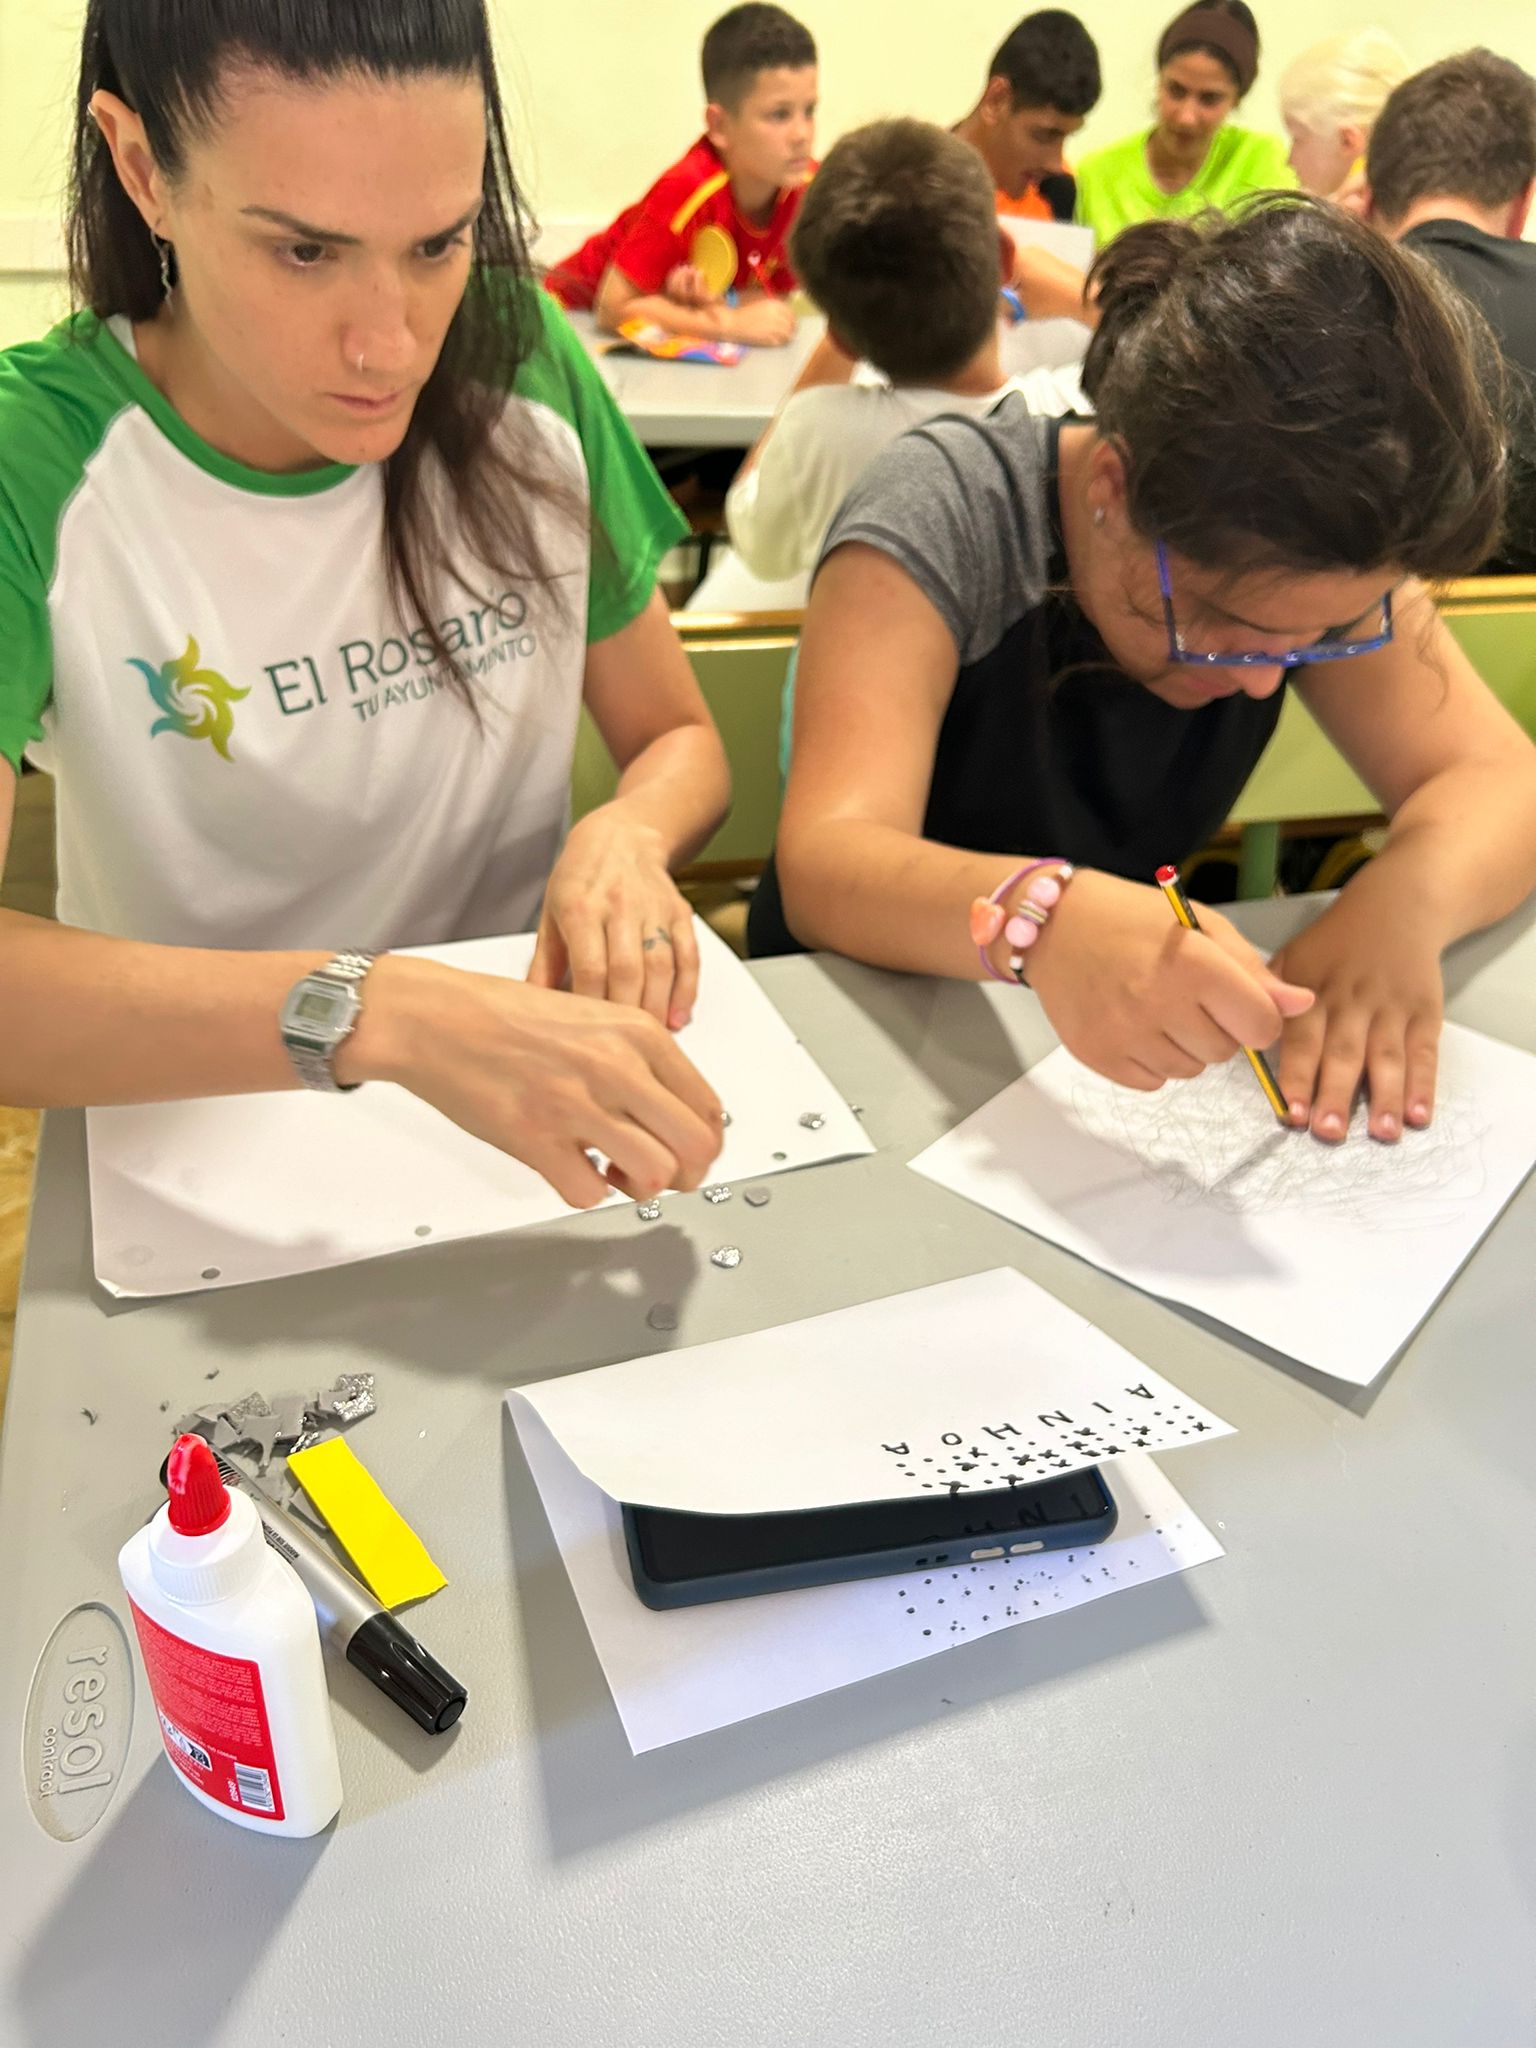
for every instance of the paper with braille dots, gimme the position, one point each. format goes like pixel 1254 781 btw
pixel 195 1195
pixel 677 1674
pixel 966 1386
pixel 972 1384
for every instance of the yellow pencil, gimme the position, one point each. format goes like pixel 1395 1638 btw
pixel 1168 881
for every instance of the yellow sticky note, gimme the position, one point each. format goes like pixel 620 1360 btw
pixel 383 1546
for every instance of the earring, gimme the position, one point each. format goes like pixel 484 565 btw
pixel 360 362
pixel 163 251
pixel 1098 515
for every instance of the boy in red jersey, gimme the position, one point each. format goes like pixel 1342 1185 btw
pixel 704 252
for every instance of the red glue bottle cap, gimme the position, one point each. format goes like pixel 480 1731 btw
pixel 199 1501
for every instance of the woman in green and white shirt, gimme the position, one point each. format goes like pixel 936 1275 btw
pixel 1193 157
pixel 316 531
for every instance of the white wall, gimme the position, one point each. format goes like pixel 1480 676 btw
pixel 603 94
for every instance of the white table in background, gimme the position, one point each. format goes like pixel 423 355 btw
pixel 700 405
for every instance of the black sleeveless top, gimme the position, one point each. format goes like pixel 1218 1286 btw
pixel 1046 747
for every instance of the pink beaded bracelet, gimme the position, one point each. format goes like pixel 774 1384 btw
pixel 1022 925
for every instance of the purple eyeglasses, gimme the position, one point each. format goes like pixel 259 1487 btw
pixel 1325 649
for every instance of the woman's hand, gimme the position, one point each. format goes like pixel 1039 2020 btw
pixel 1140 999
pixel 1375 966
pixel 545 1076
pixel 614 924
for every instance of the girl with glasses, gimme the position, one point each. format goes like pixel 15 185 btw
pixel 1041 646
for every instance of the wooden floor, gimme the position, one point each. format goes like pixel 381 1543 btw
pixel 28 886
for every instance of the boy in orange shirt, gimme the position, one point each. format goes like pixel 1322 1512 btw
pixel 1041 86
pixel 704 252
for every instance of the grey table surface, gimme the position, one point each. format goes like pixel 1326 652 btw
pixel 1284 1799
pixel 700 405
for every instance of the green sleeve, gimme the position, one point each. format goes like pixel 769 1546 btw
pixel 26 642
pixel 55 409
pixel 634 521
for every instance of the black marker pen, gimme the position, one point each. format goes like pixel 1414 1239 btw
pixel 352 1622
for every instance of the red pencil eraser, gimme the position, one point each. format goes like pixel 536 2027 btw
pixel 1167 874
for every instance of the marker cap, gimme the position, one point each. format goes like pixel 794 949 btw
pixel 391 1657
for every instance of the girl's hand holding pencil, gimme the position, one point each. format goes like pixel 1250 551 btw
pixel 1140 998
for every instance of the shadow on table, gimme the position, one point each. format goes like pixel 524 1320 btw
pixel 1342 1393
pixel 153 1924
pixel 496 1308
pixel 597 1791
pixel 966 1047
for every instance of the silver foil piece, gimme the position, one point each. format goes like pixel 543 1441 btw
pixel 662 1316
pixel 348 1399
pixel 725 1255
pixel 246 1410
pixel 812 1120
pixel 757 1198
pixel 288 1411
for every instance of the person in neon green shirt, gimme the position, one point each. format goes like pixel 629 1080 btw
pixel 1192 157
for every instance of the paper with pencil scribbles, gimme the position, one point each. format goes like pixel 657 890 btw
pixel 1330 1254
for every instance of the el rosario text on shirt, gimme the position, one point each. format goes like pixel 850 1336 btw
pixel 369 676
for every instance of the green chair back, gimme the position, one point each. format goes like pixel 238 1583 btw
pixel 1302 777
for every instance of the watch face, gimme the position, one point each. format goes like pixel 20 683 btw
pixel 319 1014
pixel 315 1007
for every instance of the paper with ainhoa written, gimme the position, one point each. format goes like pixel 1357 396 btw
pixel 1330 1254
pixel 965 1386
pixel 679 1673
pixel 193 1195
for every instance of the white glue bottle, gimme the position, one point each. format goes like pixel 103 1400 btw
pixel 231 1648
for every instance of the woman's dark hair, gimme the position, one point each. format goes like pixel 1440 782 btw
pixel 172 61
pixel 1289 389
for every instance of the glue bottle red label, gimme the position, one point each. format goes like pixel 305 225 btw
pixel 231 1649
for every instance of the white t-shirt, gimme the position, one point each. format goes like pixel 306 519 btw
pixel 251 748
pixel 823 441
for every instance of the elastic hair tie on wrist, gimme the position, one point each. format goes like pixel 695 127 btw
pixel 1021 926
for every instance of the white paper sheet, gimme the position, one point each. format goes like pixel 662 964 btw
pixel 1332 1255
pixel 966 1386
pixel 192 1195
pixel 677 1674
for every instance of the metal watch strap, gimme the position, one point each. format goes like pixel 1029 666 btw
pixel 313 1068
